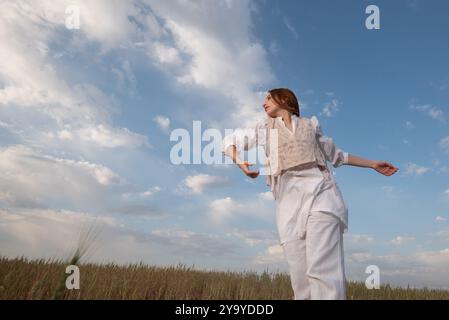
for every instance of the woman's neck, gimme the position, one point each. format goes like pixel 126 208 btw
pixel 287 118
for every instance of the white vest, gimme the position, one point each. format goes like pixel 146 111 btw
pixel 285 150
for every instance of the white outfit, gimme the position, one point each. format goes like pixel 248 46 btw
pixel 316 263
pixel 311 216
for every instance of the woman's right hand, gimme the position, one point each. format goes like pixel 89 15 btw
pixel 384 167
pixel 245 168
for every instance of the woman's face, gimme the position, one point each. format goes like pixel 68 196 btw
pixel 271 107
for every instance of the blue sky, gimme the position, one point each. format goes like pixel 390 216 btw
pixel 86 116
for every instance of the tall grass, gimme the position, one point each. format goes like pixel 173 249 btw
pixel 22 278
pixel 86 241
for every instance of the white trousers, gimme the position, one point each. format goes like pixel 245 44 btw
pixel 316 263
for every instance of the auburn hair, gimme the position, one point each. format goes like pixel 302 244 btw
pixel 286 99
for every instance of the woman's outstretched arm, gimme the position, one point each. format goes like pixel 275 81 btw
pixel 244 140
pixel 231 152
pixel 382 167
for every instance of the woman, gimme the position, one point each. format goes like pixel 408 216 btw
pixel 310 211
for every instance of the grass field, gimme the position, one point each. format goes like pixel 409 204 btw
pixel 45 279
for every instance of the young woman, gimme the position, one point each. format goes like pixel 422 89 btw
pixel 311 214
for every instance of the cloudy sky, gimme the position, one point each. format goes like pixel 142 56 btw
pixel 86 116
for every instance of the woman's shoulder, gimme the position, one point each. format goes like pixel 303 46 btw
pixel 263 122
pixel 315 121
pixel 315 124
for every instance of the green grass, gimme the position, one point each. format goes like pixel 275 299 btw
pixel 21 278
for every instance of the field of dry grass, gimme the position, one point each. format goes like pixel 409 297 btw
pixel 44 279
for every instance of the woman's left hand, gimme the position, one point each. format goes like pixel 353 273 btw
pixel 384 168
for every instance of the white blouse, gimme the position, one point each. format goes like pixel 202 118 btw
pixel 298 192
pixel 246 139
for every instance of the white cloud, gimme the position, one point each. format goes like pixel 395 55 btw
pixel 165 54
pixel 192 242
pixel 151 191
pixel 412 169
pixel 109 137
pixel 431 111
pixel 440 85
pixel 222 209
pixel 423 268
pixel 443 234
pixel 402 240
pixel 290 27
pixel 359 238
pixel 255 237
pixel 30 179
pixel 143 194
pixel 47 233
pixel 440 218
pixel 274 254
pixel 37 95
pixel 51 102
pixel 126 79
pixel 65 135
pixel 268 196
pixel 437 259
pixel 409 125
pixel 162 122
pixel 273 48
pixel 198 183
pixel 218 53
pixel 440 168
pixel 444 144
pixel 330 108
pixel 437 114
pixel 360 257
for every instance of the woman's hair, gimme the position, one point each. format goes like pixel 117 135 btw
pixel 286 99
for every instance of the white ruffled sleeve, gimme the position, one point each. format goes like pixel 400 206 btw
pixel 333 154
pixel 245 139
